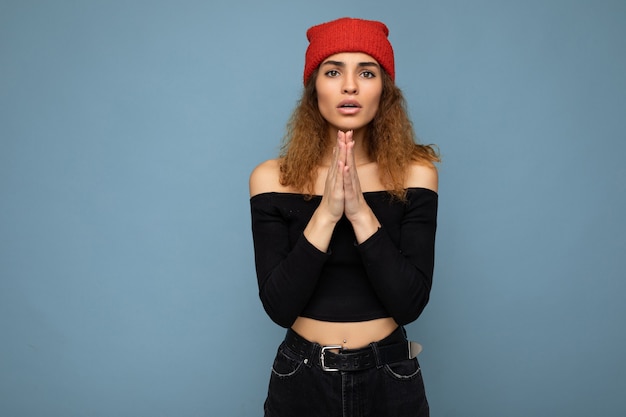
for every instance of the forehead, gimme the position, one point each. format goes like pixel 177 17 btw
pixel 350 57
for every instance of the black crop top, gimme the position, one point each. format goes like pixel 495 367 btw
pixel 388 275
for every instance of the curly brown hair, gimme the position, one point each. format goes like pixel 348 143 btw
pixel 390 141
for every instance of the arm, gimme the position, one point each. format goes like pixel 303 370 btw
pixel 286 275
pixel 401 269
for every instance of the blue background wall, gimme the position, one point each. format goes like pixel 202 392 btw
pixel 128 130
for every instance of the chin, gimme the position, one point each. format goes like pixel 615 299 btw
pixel 353 127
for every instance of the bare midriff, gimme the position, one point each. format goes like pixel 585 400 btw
pixel 350 335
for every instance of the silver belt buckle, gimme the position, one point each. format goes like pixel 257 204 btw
pixel 323 355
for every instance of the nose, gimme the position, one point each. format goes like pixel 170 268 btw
pixel 350 85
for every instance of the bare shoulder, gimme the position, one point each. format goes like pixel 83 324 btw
pixel 423 175
pixel 265 178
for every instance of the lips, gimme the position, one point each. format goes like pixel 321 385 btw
pixel 349 104
pixel 349 107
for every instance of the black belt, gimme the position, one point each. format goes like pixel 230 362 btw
pixel 376 354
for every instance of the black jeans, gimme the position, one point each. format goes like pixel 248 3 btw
pixel 299 387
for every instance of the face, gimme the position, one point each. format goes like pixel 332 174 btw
pixel 349 86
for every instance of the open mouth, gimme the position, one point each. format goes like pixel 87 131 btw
pixel 349 104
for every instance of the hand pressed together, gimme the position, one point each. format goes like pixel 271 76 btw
pixel 342 195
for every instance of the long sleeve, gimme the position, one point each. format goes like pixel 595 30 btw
pixel 400 269
pixel 388 275
pixel 288 266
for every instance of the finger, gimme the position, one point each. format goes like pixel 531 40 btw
pixel 341 136
pixel 348 181
pixel 350 157
pixel 342 148
pixel 333 196
pixel 341 168
pixel 341 143
pixel 352 173
pixel 332 171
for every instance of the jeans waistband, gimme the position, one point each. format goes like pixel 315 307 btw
pixel 393 348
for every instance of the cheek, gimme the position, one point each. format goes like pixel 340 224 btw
pixel 324 103
pixel 373 94
pixel 375 104
pixel 321 92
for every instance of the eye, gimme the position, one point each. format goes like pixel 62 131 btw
pixel 332 73
pixel 368 74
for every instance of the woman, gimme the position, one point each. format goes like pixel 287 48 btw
pixel 344 228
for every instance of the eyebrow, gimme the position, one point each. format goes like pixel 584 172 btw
pixel 343 64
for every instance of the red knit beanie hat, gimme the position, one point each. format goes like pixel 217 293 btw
pixel 348 35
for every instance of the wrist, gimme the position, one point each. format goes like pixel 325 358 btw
pixel 365 226
pixel 319 230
